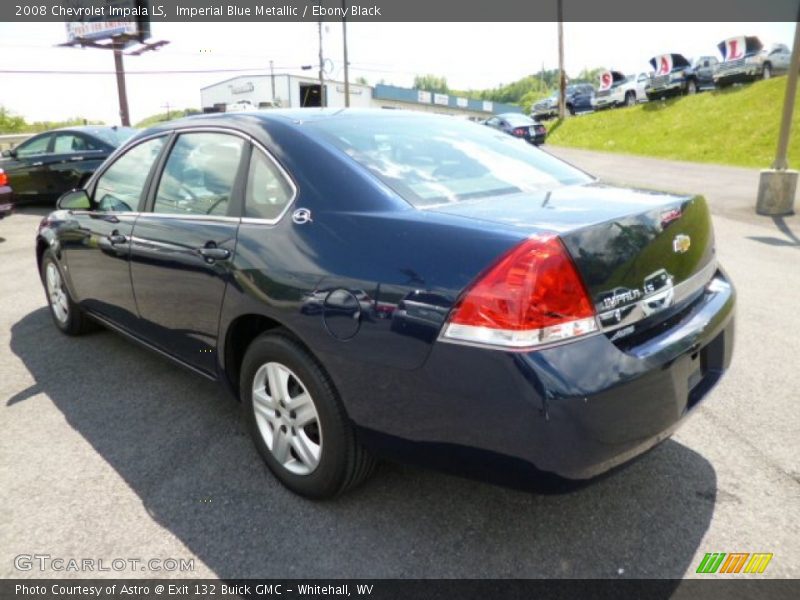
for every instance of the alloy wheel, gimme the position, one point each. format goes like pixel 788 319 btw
pixel 287 418
pixel 59 302
pixel 767 72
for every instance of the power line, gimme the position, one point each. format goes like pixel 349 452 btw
pixel 166 72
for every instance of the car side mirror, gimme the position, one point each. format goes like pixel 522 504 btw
pixel 74 200
pixel 10 153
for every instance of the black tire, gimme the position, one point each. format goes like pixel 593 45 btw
pixel 630 98
pixel 691 87
pixel 766 71
pixel 343 463
pixel 571 110
pixel 75 322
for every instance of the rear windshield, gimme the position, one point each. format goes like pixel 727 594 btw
pixel 437 160
pixel 517 120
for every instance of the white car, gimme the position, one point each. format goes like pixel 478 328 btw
pixel 618 89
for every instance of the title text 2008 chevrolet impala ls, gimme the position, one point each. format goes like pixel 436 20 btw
pixel 372 280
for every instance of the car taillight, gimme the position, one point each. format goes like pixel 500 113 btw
pixel 533 295
pixel 520 131
pixel 3 177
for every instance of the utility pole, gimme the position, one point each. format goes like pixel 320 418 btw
pixel 272 79
pixel 562 78
pixel 124 115
pixel 777 186
pixel 167 105
pixel 346 66
pixel 321 69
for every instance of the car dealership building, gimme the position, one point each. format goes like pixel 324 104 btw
pixel 249 92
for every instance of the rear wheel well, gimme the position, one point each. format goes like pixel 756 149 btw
pixel 241 333
pixel 41 246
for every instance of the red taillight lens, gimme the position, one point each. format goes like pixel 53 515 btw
pixel 533 295
pixel 3 178
pixel 519 131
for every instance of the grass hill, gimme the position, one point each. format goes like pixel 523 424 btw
pixel 735 126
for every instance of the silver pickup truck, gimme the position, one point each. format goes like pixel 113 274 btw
pixel 744 58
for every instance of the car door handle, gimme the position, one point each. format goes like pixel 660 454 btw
pixel 37 164
pixel 117 238
pixel 77 158
pixel 213 253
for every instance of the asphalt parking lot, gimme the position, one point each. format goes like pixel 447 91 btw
pixel 109 451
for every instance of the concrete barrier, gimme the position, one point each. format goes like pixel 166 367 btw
pixel 13 140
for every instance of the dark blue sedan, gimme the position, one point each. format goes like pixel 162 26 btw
pixel 519 126
pixel 390 284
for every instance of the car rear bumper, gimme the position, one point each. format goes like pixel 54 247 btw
pixel 575 410
pixel 6 198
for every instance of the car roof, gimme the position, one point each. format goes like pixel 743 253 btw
pixel 87 129
pixel 290 116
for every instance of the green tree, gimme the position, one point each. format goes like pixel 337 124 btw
pixel 431 83
pixel 361 80
pixel 589 76
pixel 11 123
pixel 163 117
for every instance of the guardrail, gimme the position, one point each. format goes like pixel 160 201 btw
pixel 12 140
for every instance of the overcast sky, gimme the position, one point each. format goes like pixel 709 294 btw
pixel 470 55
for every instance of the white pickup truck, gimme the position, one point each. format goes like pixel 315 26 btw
pixel 618 89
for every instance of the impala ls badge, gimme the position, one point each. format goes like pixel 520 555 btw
pixel 301 216
pixel 681 243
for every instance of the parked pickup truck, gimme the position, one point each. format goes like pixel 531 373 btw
pixel 674 75
pixel 744 58
pixel 578 98
pixel 618 89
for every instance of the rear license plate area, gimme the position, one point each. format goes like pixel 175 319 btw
pixel 705 369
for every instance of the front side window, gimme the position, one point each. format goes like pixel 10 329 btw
pixel 430 160
pixel 268 192
pixel 35 146
pixel 120 187
pixel 199 175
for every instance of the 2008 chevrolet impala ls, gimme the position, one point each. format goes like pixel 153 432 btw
pixel 372 280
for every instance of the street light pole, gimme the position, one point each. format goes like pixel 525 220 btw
pixel 562 78
pixel 321 69
pixel 777 186
pixel 788 105
pixel 272 79
pixel 119 68
pixel 346 66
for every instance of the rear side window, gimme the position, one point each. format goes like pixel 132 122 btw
pixel 199 175
pixel 268 192
pixel 120 186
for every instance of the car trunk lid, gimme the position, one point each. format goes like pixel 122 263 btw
pixel 638 252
